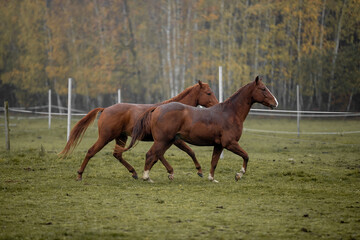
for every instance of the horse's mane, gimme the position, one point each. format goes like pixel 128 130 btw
pixel 180 95
pixel 237 93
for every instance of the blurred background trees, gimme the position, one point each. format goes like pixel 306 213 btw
pixel 153 49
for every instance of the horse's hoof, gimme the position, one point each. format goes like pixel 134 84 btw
pixel 148 180
pixel 238 176
pixel 211 179
pixel 200 174
pixel 79 178
pixel 171 176
pixel 135 176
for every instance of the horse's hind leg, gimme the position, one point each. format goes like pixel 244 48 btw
pixel 156 152
pixel 183 146
pixel 99 144
pixel 166 164
pixel 121 141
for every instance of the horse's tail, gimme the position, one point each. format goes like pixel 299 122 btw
pixel 78 131
pixel 141 128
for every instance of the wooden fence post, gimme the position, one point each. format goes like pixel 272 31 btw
pixel 7 130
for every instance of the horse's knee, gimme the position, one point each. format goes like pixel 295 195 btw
pixel 148 156
pixel 90 153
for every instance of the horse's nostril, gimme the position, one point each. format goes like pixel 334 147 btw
pixel 273 106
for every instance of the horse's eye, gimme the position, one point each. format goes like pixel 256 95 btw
pixel 263 89
pixel 209 93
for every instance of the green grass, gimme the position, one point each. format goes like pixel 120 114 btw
pixel 295 188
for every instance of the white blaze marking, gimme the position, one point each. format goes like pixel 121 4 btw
pixel 277 103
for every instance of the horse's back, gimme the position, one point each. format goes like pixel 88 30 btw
pixel 198 126
pixel 173 106
pixel 120 117
pixel 169 119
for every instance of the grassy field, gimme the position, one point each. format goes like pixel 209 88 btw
pixel 295 188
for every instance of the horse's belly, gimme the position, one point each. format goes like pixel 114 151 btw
pixel 199 138
pixel 147 138
pixel 200 142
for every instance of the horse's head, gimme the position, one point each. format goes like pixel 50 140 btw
pixel 261 94
pixel 206 96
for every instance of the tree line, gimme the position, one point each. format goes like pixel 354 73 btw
pixel 153 49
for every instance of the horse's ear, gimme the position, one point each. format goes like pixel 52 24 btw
pixel 257 79
pixel 200 83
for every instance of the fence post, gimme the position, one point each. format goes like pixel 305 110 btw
pixel 220 85
pixel 119 95
pixel 7 130
pixel 49 108
pixel 298 109
pixel 221 97
pixel 69 110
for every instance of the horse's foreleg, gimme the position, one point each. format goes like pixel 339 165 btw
pixel 90 153
pixel 121 141
pixel 235 148
pixel 214 161
pixel 183 146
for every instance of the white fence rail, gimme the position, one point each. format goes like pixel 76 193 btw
pixel 69 112
pixel 294 113
pixel 254 112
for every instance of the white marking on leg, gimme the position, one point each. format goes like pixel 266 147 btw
pixel 146 175
pixel 239 175
pixel 211 178
pixel 242 172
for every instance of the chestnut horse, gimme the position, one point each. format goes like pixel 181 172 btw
pixel 219 126
pixel 117 122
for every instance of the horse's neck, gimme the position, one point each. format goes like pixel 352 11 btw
pixel 240 102
pixel 185 97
